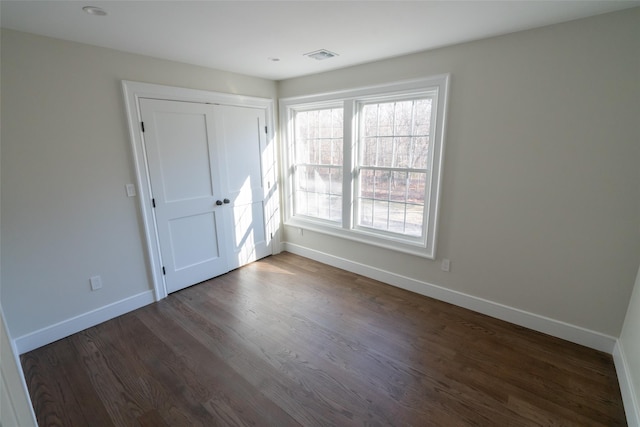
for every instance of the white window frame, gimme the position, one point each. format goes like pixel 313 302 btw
pixel 350 100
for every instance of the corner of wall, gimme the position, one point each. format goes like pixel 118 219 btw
pixel 626 356
pixel 629 397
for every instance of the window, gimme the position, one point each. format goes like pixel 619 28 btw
pixel 318 167
pixel 364 164
pixel 393 148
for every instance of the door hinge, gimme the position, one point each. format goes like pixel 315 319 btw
pixel 164 272
pixel 153 202
pixel 142 126
pixel 265 130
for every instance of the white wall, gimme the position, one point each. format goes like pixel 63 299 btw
pixel 541 194
pixel 628 362
pixel 66 158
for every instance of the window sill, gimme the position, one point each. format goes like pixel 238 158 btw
pixel 362 236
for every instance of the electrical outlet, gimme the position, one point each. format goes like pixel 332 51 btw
pixel 131 190
pixel 446 265
pixel 96 282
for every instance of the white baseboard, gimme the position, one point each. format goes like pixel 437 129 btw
pixel 556 328
pixel 75 324
pixel 631 408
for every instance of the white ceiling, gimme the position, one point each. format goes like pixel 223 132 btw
pixel 241 36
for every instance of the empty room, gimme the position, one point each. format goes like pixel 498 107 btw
pixel 313 213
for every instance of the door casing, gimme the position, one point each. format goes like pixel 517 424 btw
pixel 133 92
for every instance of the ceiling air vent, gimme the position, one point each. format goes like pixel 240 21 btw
pixel 321 54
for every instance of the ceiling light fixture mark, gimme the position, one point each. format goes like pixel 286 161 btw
pixel 94 10
pixel 321 54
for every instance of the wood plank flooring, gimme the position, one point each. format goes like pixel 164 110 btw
pixel 287 341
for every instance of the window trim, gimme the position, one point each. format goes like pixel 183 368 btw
pixel 351 100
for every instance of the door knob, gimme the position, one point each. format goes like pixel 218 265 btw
pixel 218 202
pixel 227 201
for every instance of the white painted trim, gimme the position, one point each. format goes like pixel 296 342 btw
pixel 78 323
pixel 399 86
pixel 133 91
pixel 7 411
pixel 556 328
pixel 629 395
pixel 24 416
pixel 31 415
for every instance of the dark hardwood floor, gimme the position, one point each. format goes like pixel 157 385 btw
pixel 287 341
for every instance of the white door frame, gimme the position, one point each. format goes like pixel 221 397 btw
pixel 133 91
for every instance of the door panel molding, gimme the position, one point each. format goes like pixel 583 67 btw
pixel 133 93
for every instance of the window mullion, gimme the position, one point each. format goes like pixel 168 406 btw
pixel 389 188
pixel 407 180
pixel 393 135
pixel 413 133
pixel 393 164
pixel 349 169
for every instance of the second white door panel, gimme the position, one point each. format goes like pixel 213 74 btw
pixel 241 137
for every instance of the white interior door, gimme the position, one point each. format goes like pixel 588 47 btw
pixel 241 138
pixel 186 184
